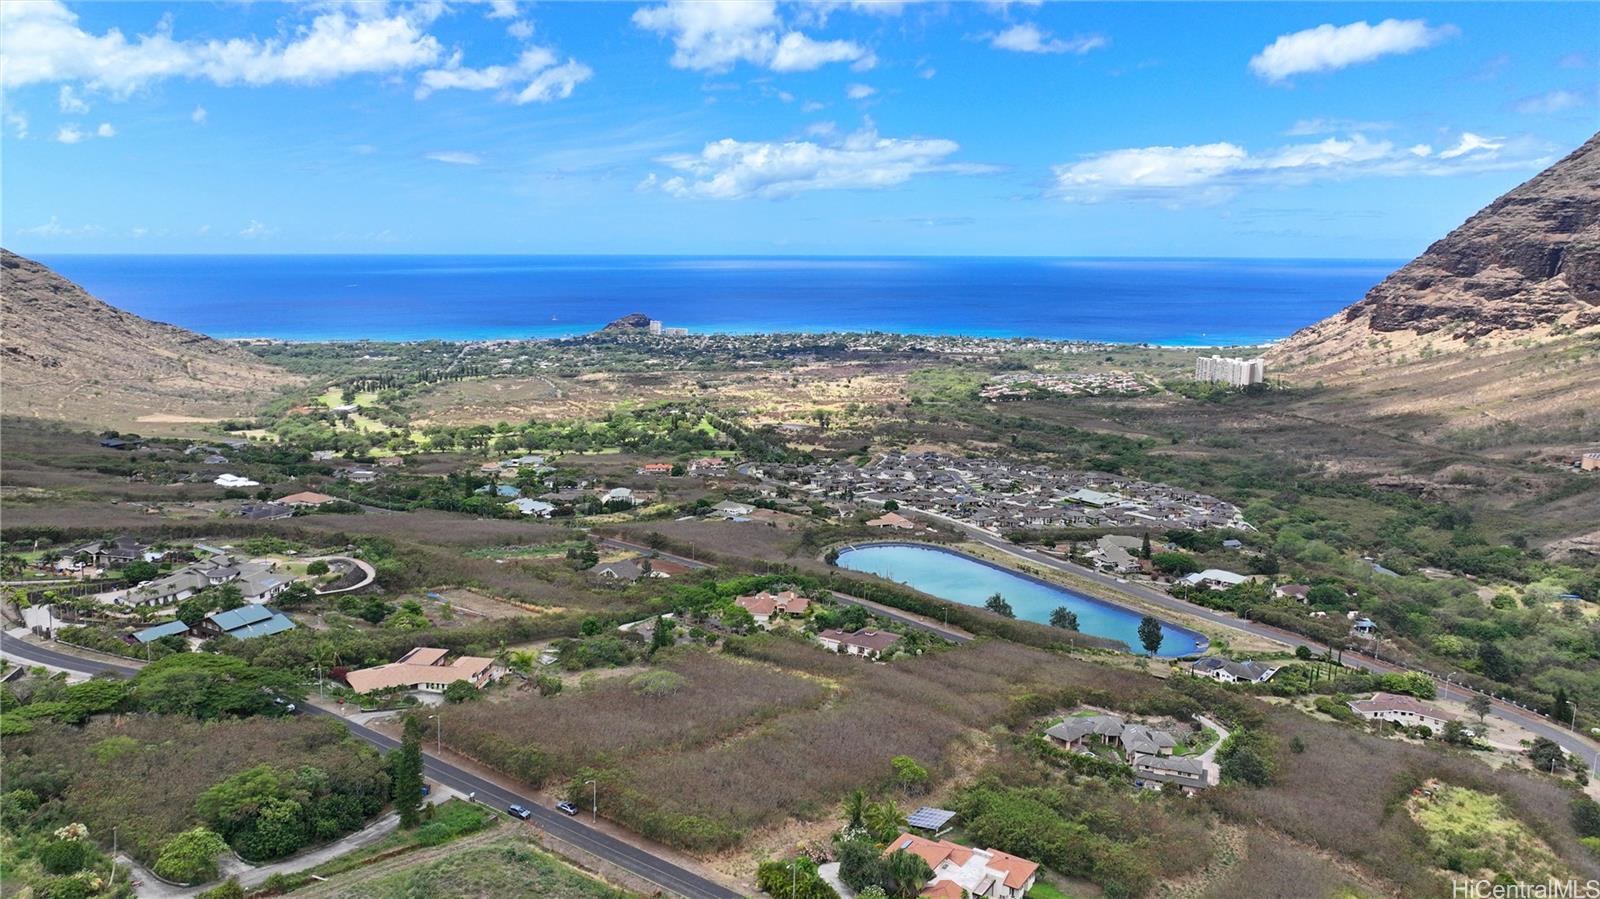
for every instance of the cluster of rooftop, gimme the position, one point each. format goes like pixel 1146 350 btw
pixel 999 496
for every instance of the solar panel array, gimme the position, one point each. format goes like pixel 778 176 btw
pixel 929 818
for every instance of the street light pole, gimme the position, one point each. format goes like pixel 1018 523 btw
pixel 594 801
pixel 438 736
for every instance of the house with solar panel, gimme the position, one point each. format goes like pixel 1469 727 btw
pixel 245 623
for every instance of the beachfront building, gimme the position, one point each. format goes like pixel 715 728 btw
pixel 1235 372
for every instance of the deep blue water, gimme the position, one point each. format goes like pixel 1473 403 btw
pixel 960 578
pixel 1167 301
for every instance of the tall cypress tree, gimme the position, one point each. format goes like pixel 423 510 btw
pixel 406 764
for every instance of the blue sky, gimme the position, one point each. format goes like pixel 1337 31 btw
pixel 1297 130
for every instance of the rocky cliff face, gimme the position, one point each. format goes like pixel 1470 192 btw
pixel 635 321
pixel 1528 262
pixel 68 356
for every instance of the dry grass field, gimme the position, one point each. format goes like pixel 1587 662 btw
pixel 766 396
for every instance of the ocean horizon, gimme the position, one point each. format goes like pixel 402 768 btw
pixel 1163 301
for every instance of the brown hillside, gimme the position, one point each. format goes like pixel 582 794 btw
pixel 67 356
pixel 1495 325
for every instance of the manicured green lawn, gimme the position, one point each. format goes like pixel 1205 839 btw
pixel 1046 891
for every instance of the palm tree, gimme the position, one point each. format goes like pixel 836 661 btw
pixel 884 819
pixel 855 808
pixel 904 874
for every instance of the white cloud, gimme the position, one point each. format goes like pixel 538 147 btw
pixel 105 130
pixel 454 157
pixel 18 122
pixel 70 134
pixel 812 106
pixel 860 91
pixel 1027 38
pixel 521 29
pixel 1209 172
pixel 70 102
pixel 502 9
pixel 1472 143
pixel 1330 47
pixel 45 43
pixel 1552 102
pixel 1312 127
pixel 730 169
pixel 714 35
pixel 54 228
pixel 927 73
pixel 198 116
pixel 536 69
pixel 257 229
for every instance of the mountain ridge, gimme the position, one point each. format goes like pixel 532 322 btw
pixel 69 356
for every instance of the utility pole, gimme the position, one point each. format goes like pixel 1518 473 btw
pixel 113 880
pixel 438 736
pixel 594 800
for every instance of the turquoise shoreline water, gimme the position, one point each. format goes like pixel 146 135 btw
pixel 1175 302
pixel 961 578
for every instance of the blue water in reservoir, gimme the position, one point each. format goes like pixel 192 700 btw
pixel 961 578
pixel 1188 302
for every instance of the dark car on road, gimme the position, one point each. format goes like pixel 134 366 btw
pixel 519 811
pixel 567 807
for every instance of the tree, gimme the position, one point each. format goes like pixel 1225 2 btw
pixel 1242 758
pixel 1560 707
pixel 890 505
pixel 317 568
pixel 1302 652
pixel 904 874
pixel 1064 618
pixel 406 771
pixel 1144 546
pixel 1547 755
pixel 139 571
pixel 998 605
pixel 884 820
pixel 1586 816
pixel 1480 705
pixel 209 686
pixel 855 808
pixel 228 889
pixel 1150 635
pixel 1494 662
pixel 191 856
pixel 1175 563
pixel 460 691
pixel 912 777
pixel 664 635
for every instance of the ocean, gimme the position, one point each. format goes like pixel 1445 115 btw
pixel 1179 302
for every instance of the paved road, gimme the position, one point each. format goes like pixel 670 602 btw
pixel 368 573
pixel 668 876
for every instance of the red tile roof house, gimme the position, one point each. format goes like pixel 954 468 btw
pixel 961 870
pixel 307 498
pixel 892 520
pixel 865 642
pixel 423 668
pixel 1403 710
pixel 656 468
pixel 762 606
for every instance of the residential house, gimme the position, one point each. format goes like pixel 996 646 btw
pixel 245 623
pixel 234 481
pixel 1214 579
pixel 1403 710
pixel 307 499
pixel 710 465
pixel 152 634
pixel 392 461
pixel 1117 552
pixel 892 520
pixel 763 606
pixel 1361 626
pixel 657 468
pixel 620 495
pixel 960 871
pixel 265 511
pixel 1297 592
pixel 731 509
pixel 532 507
pixel 630 570
pixel 423 668
pixel 112 553
pixel 865 642
pixel 1179 771
pixel 1228 671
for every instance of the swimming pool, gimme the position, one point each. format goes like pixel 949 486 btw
pixel 961 578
